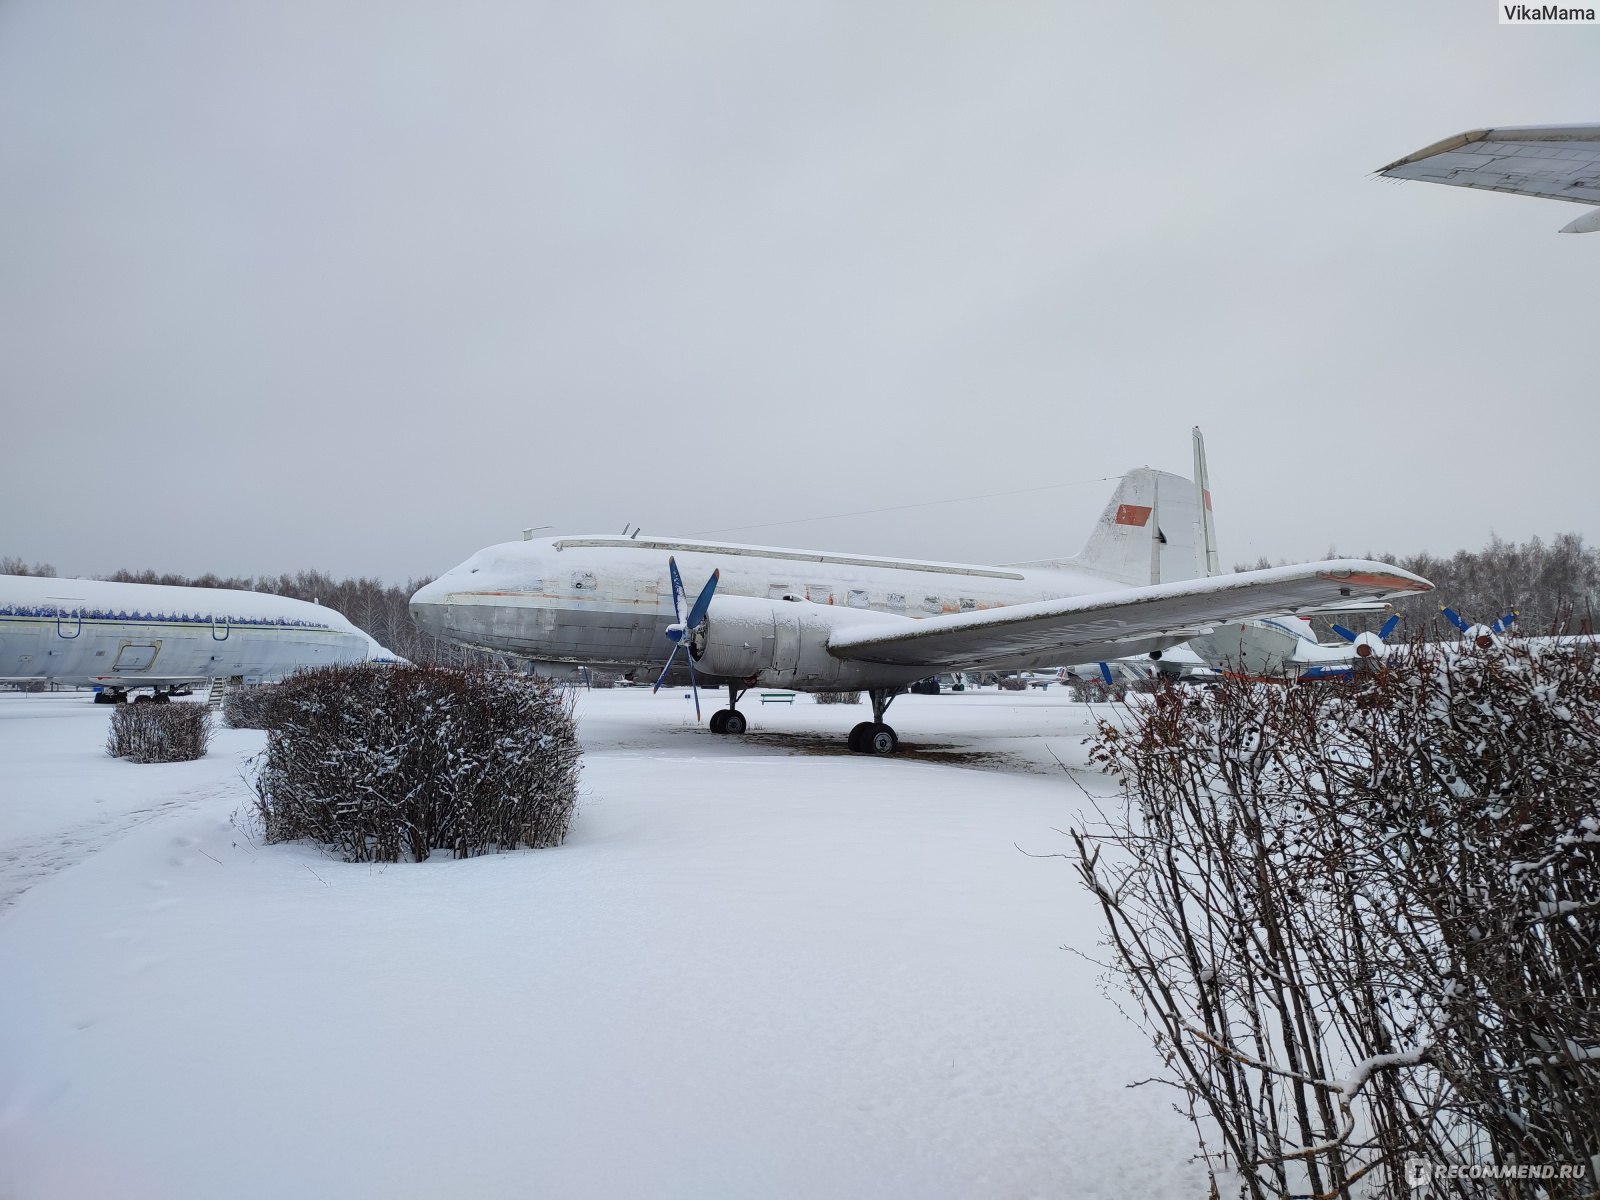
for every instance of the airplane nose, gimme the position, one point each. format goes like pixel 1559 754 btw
pixel 428 608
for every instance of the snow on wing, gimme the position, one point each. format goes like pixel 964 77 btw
pixel 1560 162
pixel 1130 615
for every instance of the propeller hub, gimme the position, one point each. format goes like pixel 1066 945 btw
pixel 1371 645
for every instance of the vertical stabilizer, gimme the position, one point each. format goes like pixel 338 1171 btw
pixel 1208 528
pixel 1124 545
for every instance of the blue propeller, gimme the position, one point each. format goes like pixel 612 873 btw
pixel 1369 648
pixel 685 627
pixel 1370 645
pixel 1483 635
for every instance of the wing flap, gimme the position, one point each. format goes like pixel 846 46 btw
pixel 1129 621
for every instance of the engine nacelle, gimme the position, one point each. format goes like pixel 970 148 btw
pixel 784 643
pixel 1370 647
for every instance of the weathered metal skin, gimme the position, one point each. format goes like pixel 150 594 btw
pixel 784 643
pixel 606 602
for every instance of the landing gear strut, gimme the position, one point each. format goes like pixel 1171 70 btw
pixel 730 719
pixel 874 737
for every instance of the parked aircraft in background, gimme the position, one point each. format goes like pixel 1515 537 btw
pixel 1286 647
pixel 122 636
pixel 810 620
pixel 1279 648
pixel 1558 162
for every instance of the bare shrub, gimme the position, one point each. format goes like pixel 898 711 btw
pixel 838 697
pixel 1090 691
pixel 155 733
pixel 388 763
pixel 1359 921
pixel 250 706
pixel 1012 683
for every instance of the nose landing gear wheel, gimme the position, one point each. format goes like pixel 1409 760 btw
pixel 733 721
pixel 719 721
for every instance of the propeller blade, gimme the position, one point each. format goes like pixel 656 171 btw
pixel 694 685
pixel 1105 673
pixel 1388 627
pixel 1454 618
pixel 662 678
pixel 1504 622
pixel 677 590
pixel 703 601
pixel 1348 635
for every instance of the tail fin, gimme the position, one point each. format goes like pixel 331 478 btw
pixel 1208 528
pixel 1151 531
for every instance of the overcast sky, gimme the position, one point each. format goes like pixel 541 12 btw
pixel 365 287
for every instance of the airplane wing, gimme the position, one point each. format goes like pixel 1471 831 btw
pixel 1109 624
pixel 1558 162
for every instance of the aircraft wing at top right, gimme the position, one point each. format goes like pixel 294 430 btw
pixel 1557 162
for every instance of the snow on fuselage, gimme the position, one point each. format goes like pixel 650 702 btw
pixel 123 635
pixel 607 601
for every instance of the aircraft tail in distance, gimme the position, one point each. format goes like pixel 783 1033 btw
pixel 1149 532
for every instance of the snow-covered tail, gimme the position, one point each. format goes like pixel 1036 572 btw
pixel 1149 532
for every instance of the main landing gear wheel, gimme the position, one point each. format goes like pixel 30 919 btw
pixel 730 719
pixel 873 737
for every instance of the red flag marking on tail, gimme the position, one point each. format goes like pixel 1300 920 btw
pixel 1133 514
pixel 1206 492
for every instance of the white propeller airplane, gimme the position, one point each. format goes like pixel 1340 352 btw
pixel 813 621
pixel 121 636
pixel 1558 162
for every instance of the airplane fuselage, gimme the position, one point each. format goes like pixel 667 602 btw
pixel 128 635
pixel 606 601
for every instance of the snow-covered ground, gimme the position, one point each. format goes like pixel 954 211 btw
pixel 759 967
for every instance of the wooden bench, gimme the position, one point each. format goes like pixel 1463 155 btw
pixel 777 697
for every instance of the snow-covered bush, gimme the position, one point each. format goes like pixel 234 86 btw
pixel 249 707
pixel 1360 921
pixel 1092 691
pixel 388 763
pixel 154 733
pixel 838 697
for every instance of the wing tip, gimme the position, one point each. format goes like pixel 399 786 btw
pixel 1378 578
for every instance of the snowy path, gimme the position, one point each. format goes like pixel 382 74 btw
pixel 758 967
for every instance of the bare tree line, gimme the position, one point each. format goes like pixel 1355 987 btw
pixel 1554 587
